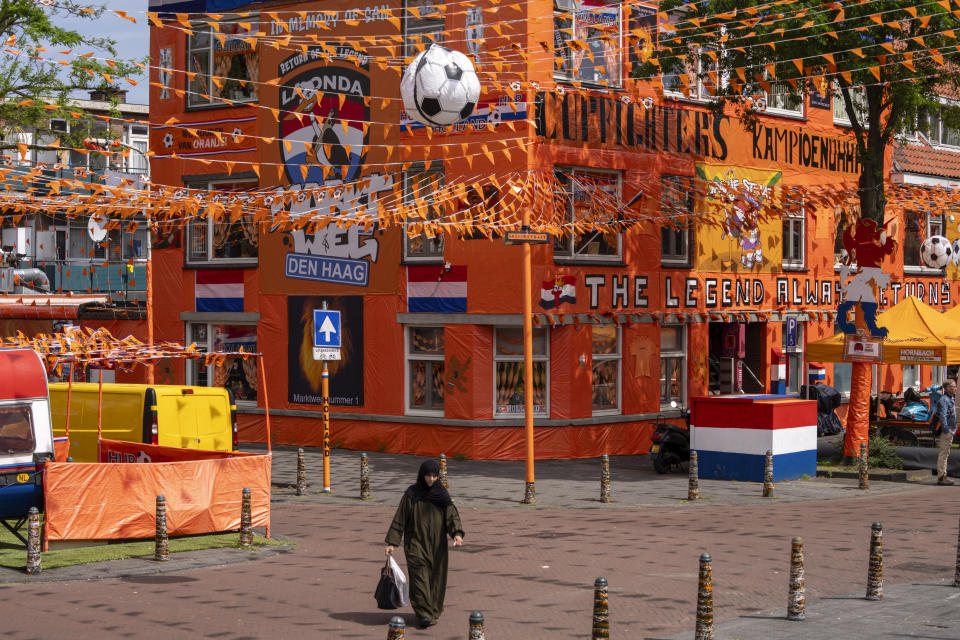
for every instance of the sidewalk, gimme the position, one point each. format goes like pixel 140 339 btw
pixel 924 610
pixel 560 484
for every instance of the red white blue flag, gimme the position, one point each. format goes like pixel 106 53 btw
pixel 434 288
pixel 555 292
pixel 219 290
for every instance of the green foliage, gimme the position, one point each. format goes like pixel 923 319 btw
pixel 883 454
pixel 33 78
pixel 889 61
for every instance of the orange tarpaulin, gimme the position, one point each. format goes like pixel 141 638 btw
pixel 118 501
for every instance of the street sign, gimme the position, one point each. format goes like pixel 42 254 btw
pixel 326 353
pixel 326 329
pixel 526 237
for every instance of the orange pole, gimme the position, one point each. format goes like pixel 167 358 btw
pixel 325 390
pixel 149 284
pixel 266 402
pixel 99 413
pixel 66 429
pixel 529 496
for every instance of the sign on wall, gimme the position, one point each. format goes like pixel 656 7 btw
pixel 304 374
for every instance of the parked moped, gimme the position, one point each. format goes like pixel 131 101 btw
pixel 670 444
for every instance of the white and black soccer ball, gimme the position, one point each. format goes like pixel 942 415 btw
pixel 936 252
pixel 440 87
pixel 956 251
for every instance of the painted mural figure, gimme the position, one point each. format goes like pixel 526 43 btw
pixel 862 242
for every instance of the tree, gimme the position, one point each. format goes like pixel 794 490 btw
pixel 888 60
pixel 30 72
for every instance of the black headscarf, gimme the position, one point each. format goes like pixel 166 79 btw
pixel 437 494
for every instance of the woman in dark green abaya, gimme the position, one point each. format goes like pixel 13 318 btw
pixel 424 519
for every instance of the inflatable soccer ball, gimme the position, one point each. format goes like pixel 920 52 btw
pixel 440 87
pixel 936 252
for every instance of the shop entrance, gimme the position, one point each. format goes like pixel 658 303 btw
pixel 736 357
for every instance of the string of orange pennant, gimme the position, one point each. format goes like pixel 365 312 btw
pixel 98 348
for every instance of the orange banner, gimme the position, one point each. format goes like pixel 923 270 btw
pixel 118 501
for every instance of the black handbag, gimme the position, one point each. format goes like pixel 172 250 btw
pixel 387 593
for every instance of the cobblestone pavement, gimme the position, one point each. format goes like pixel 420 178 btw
pixel 530 570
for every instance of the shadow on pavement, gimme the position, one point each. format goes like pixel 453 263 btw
pixel 372 618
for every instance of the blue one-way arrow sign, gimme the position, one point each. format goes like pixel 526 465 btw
pixel 326 328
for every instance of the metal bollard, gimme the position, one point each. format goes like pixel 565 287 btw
pixel 601 610
pixel 693 485
pixel 875 571
pixel 956 573
pixel 476 626
pixel 34 563
pixel 797 600
pixel 604 478
pixel 69 459
pixel 161 551
pixel 443 471
pixel 768 475
pixel 397 628
pixel 864 474
pixel 301 472
pixel 364 477
pixel 704 630
pixel 529 494
pixel 246 520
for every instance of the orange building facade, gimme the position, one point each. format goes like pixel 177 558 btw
pixel 305 96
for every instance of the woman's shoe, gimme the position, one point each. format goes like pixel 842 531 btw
pixel 423 622
pixel 944 480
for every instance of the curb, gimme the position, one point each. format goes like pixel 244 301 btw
pixel 912 475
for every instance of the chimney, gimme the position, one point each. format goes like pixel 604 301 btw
pixel 104 94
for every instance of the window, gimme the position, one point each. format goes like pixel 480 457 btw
pixel 120 245
pixel 425 372
pixel 858 96
pixel 917 227
pixel 695 76
pixel 587 196
pixel 938 375
pixel 932 125
pixel 420 32
pixel 911 376
pixel 605 378
pixel 138 142
pixel 12 155
pixel 676 200
pixel 223 65
pixel 842 372
pixel 236 374
pixel 587 39
pixel 225 242
pixel 843 217
pixel 16 430
pixel 672 358
pixel 419 196
pixel 508 371
pixel 794 238
pixel 783 99
pixel 793 350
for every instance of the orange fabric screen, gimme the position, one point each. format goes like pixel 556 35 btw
pixel 114 501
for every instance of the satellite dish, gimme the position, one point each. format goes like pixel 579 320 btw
pixel 96 229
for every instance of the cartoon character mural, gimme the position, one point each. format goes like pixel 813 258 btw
pixel 865 246
pixel 741 200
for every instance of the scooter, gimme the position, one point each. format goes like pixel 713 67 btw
pixel 671 444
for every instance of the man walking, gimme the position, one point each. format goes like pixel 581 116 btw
pixel 948 426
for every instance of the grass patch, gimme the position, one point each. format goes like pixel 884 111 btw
pixel 14 555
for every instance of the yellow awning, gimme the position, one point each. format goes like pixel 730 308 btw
pixel 919 334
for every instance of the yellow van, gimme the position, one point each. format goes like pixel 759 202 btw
pixel 168 415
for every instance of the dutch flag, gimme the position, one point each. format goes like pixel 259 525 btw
pixel 433 288
pixel 219 290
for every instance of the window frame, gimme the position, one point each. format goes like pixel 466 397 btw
pixel 188 257
pixel 428 255
pixel 931 224
pixel 192 368
pixel 211 101
pixel 858 97
pixel 420 27
pixel 793 218
pixel 798 112
pixel 561 7
pixel 617 357
pixel 678 354
pixel 570 254
pixel 410 356
pixel 685 231
pixel 544 357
